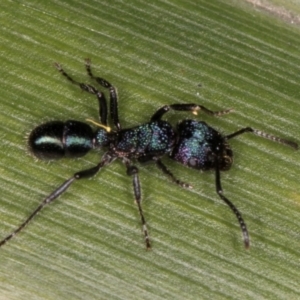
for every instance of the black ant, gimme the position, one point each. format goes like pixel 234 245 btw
pixel 192 143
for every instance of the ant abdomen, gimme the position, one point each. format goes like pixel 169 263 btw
pixel 193 143
pixel 57 139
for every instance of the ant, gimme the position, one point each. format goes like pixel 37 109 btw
pixel 193 143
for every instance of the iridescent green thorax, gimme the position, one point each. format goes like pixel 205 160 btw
pixel 149 138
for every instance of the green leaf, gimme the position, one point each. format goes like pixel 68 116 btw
pixel 88 244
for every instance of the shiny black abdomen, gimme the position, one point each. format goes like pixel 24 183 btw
pixel 57 139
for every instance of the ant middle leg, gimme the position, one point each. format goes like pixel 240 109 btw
pixel 114 113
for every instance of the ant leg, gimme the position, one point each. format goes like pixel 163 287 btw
pixel 48 200
pixel 187 107
pixel 59 191
pixel 112 92
pixel 264 135
pixel 167 172
pixel 233 208
pixel 133 171
pixel 90 89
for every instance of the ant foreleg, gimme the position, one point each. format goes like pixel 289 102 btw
pixel 194 108
pixel 167 172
